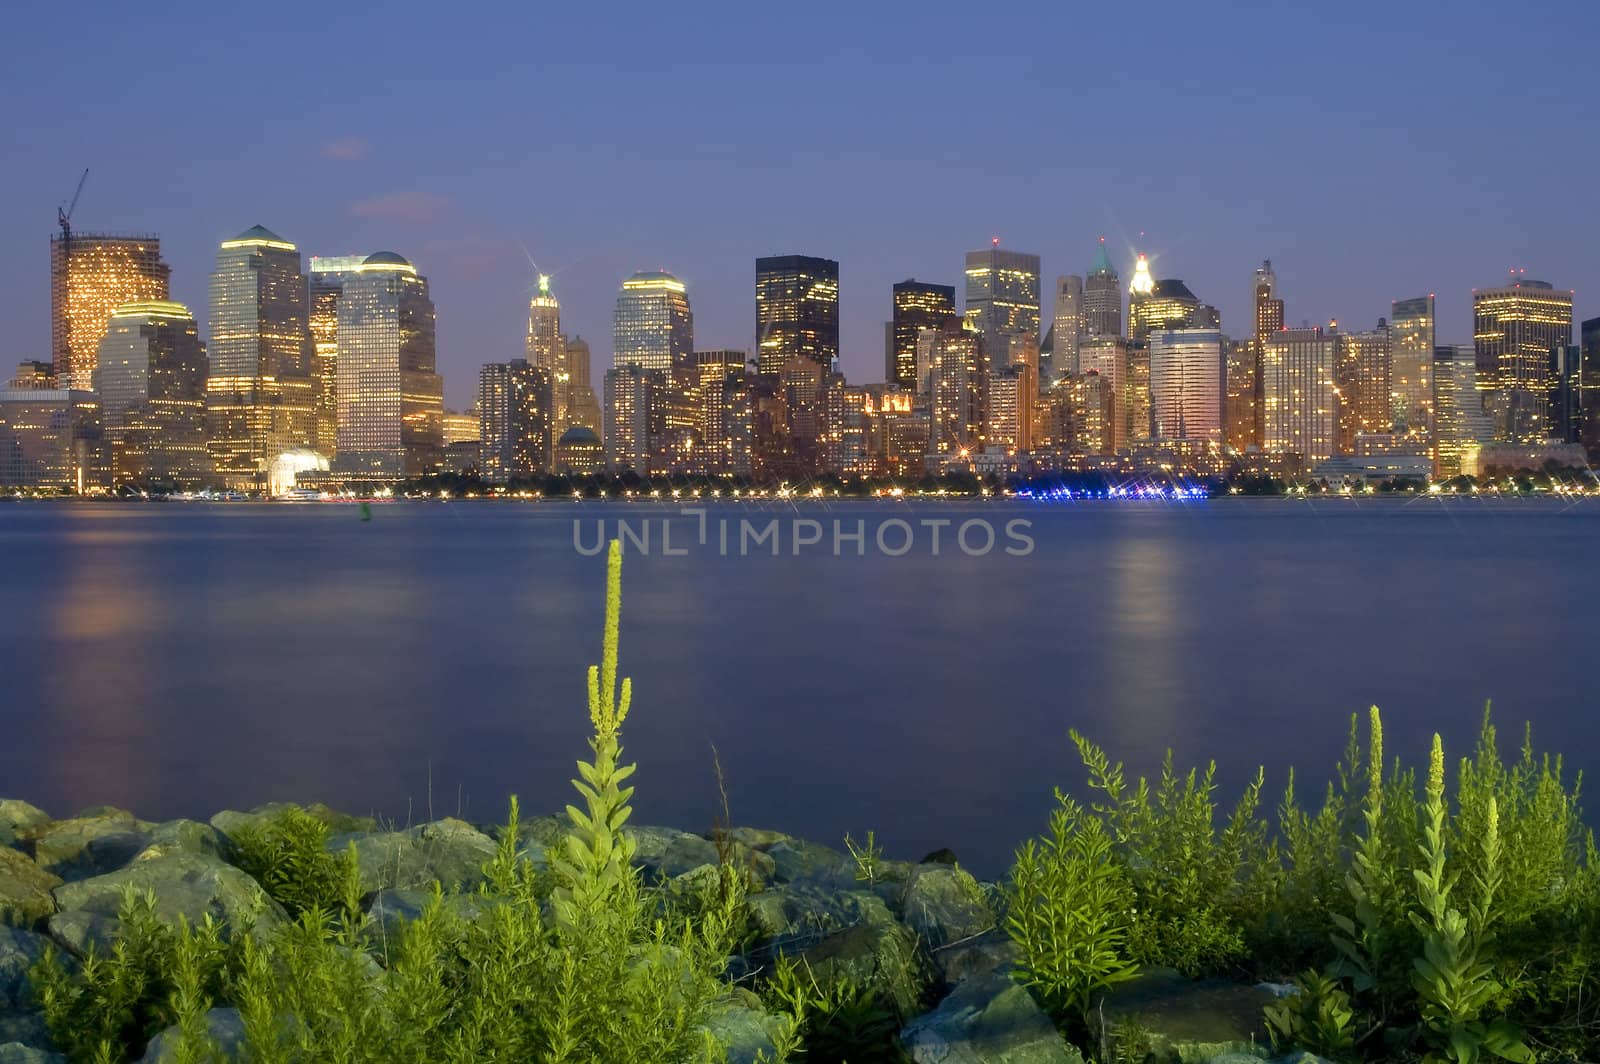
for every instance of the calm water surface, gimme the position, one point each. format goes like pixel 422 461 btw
pixel 181 658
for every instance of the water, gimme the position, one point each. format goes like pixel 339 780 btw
pixel 181 658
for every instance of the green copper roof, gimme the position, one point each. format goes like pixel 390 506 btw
pixel 259 232
pixel 1102 261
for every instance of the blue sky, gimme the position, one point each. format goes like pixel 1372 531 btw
pixel 1372 151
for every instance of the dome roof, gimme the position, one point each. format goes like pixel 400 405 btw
pixel 384 258
pixel 578 434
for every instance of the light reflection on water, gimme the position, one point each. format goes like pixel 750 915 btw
pixel 181 658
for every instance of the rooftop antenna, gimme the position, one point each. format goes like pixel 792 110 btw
pixel 64 215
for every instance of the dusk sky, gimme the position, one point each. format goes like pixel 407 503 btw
pixel 1372 151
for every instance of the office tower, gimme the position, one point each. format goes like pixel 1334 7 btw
pixel 1186 383
pixel 457 427
pixel 1066 327
pixel 772 455
pixel 1589 394
pixel 33 374
pixel 547 348
pixel 1137 401
pixel 1240 408
pixel 628 391
pixel 1107 356
pixel 1002 297
pixel 715 422
pixel 844 428
pixel 1264 298
pixel 1093 413
pixel 1460 423
pixel 1515 327
pixel 150 374
pixel 653 327
pixel 1102 296
pixel 959 386
pixel 391 400
pixel 802 382
pixel 90 275
pixel 1153 304
pixel 797 311
pixel 260 396
pixel 51 438
pixel 516 420
pixel 325 281
pixel 917 306
pixel 1362 377
pixel 1299 403
pixel 583 406
pixel 1411 345
pixel 1013 394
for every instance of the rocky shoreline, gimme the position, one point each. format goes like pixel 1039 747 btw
pixel 924 934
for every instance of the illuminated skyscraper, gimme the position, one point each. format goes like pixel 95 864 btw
pixel 52 438
pixel 151 378
pixel 515 420
pixel 628 389
pixel 90 275
pixel 1102 296
pixel 1107 357
pixel 1163 304
pixel 1066 326
pixel 960 378
pixel 1002 297
pixel 653 327
pixel 1244 384
pixel 325 281
pixel 797 311
pixel 917 306
pixel 1460 423
pixel 583 407
pixel 1362 377
pixel 723 419
pixel 1411 345
pixel 391 400
pixel 1264 298
pixel 547 349
pixel 1515 328
pixel 260 396
pixel 1093 411
pixel 1013 394
pixel 1299 403
pixel 1186 383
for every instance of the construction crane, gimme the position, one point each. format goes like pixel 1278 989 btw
pixel 64 215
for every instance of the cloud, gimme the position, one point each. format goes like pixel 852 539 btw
pixel 411 208
pixel 347 149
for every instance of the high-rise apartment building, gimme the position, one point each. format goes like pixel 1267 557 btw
pixel 1411 346
pixel 1010 420
pixel 1460 422
pixel 1002 297
pixel 628 390
pixel 516 420
pixel 1186 383
pixel 261 396
pixel 653 327
pixel 1102 296
pixel 1107 357
pixel 1299 401
pixel 797 311
pixel 150 374
pixel 1066 327
pixel 1240 405
pixel 1362 377
pixel 959 391
pixel 917 306
pixel 391 399
pixel 91 274
pixel 1515 327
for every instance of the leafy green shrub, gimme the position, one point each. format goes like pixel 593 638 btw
pixel 1318 1018
pixel 288 855
pixel 842 1019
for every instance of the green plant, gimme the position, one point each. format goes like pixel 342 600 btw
pixel 1069 911
pixel 287 853
pixel 1318 1017
pixel 843 1020
pixel 868 858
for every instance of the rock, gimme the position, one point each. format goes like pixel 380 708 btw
pixel 17 1053
pixel 943 855
pixel 186 836
pixel 231 821
pixel 76 931
pixel 757 838
pixel 945 905
pixel 19 951
pixel 666 852
pixel 451 852
pixel 743 1028
pixel 98 841
pixel 224 1026
pixel 992 951
pixel 24 889
pixel 1232 1057
pixel 988 1019
pixel 390 909
pixel 184 884
pixel 876 951
pixel 20 817
pixel 796 861
pixel 1188 1021
pixel 1301 1058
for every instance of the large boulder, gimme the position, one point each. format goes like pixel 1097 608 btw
pixel 93 843
pixel 741 1026
pixel 24 889
pixel 667 852
pixel 19 951
pixel 18 818
pixel 184 884
pixel 231 821
pixel 992 951
pixel 1186 1021
pixel 390 910
pixel 225 1028
pixel 876 952
pixel 450 852
pixel 173 837
pixel 989 1019
pixel 17 1053
pixel 796 861
pixel 944 905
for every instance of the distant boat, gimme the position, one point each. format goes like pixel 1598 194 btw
pixel 300 495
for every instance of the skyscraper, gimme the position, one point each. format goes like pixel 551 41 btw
pixel 1013 392
pixel 1460 423
pixel 1411 345
pixel 1299 404
pixel 515 420
pixel 260 396
pixel 628 388
pixel 547 349
pixel 1165 304
pixel 653 327
pixel 797 311
pixel 1264 298
pixel 917 306
pixel 151 378
pixel 1362 377
pixel 1002 297
pixel 1102 296
pixel 391 400
pixel 1066 326
pixel 90 275
pixel 960 377
pixel 1186 383
pixel 325 282
pixel 1106 356
pixel 583 407
pixel 1244 364
pixel 1515 327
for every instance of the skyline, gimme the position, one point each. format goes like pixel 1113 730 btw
pixel 1362 209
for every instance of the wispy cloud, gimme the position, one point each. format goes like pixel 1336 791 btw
pixel 347 149
pixel 411 208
